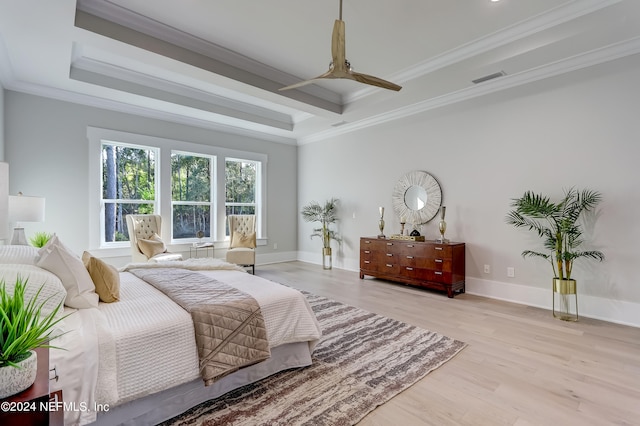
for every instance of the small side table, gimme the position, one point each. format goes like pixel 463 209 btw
pixel 35 400
pixel 206 247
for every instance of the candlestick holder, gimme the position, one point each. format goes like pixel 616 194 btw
pixel 402 228
pixel 442 226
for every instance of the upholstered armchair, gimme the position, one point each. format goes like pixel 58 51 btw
pixel 146 243
pixel 242 246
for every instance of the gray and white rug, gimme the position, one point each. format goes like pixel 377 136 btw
pixel 362 361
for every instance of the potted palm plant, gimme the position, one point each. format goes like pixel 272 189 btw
pixel 22 329
pixel 557 224
pixel 326 215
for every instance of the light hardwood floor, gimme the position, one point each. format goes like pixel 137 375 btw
pixel 521 366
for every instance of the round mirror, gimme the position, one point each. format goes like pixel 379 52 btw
pixel 417 197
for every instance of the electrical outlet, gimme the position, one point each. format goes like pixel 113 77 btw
pixel 275 246
pixel 487 269
pixel 511 272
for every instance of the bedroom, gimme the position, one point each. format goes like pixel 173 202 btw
pixel 483 151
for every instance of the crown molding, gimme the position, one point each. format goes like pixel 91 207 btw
pixel 584 60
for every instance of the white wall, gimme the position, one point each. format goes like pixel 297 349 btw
pixel 581 129
pixel 47 149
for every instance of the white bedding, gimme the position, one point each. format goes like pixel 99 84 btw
pixel 151 340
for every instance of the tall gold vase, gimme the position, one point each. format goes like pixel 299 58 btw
pixel 326 258
pixel 567 306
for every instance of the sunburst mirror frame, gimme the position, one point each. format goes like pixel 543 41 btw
pixel 419 179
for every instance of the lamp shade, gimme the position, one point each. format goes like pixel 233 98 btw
pixel 26 209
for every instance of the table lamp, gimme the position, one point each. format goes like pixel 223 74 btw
pixel 24 209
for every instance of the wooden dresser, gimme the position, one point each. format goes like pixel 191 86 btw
pixel 426 264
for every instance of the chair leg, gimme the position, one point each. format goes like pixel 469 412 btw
pixel 253 269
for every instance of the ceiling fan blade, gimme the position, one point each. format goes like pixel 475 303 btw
pixel 374 81
pixel 338 50
pixel 305 82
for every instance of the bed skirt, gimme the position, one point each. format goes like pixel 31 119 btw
pixel 161 406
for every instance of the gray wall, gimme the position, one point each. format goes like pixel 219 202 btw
pixel 47 149
pixel 580 130
pixel 1 123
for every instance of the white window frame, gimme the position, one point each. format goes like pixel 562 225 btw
pixel 258 191
pixel 212 197
pixel 96 136
pixel 155 202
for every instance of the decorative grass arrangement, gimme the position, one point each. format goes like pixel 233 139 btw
pixel 21 326
pixel 39 239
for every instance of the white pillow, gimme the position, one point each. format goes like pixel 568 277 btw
pixel 75 278
pixel 53 241
pixel 26 255
pixel 52 294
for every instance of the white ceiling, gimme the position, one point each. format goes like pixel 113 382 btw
pixel 219 64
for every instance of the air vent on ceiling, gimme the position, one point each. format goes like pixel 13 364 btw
pixel 489 77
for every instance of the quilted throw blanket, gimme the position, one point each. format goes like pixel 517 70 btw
pixel 229 327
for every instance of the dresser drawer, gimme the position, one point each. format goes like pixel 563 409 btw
pixel 436 264
pixel 437 251
pixel 373 244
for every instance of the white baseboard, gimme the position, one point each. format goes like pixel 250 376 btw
pixel 616 311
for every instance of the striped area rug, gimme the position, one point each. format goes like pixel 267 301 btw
pixel 362 361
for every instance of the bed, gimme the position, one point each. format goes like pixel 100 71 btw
pixel 135 361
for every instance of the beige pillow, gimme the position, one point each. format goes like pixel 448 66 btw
pixel 75 278
pixel 152 246
pixel 242 240
pixel 105 277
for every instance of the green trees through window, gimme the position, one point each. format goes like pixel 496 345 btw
pixel 131 184
pixel 128 186
pixel 240 187
pixel 191 194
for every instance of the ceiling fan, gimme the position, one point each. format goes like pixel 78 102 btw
pixel 340 67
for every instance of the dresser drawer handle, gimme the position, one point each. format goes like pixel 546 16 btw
pixel 389 265
pixel 438 248
pixel 367 261
pixel 409 257
pixel 438 272
pixel 410 245
pixel 438 260
pixel 389 254
pixel 367 242
pixel 389 244
pixel 367 251
pixel 409 268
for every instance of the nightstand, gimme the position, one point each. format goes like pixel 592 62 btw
pixel 29 407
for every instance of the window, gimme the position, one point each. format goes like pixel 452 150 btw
pixel 129 186
pixel 191 195
pixel 241 186
pixel 192 186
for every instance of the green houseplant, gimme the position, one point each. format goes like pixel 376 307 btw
pixel 326 215
pixel 22 329
pixel 40 239
pixel 557 224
